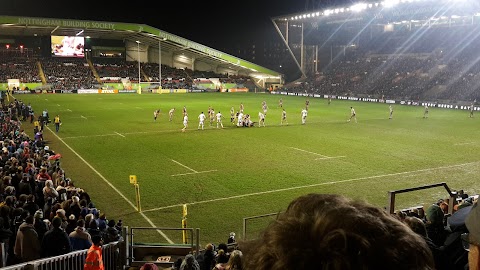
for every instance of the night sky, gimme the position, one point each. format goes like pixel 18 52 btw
pixel 208 22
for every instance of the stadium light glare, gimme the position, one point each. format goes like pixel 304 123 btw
pixel 304 16
pixel 318 13
pixel 358 7
pixel 376 4
pixel 327 12
pixel 390 3
pixel 342 10
pixel 455 17
pixel 370 5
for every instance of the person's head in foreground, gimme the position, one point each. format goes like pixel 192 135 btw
pixel 332 232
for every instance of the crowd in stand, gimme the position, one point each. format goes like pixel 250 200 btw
pixel 431 66
pixel 42 212
pixel 76 73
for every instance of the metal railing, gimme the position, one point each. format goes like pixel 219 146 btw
pixel 392 195
pixel 74 260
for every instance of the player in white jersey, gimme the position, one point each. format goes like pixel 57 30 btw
pixel 185 122
pixel 471 109
pixel 261 119
pixel 201 120
pixel 240 119
pixel 155 114
pixel 265 108
pixel 425 111
pixel 170 114
pixel 284 117
pixel 304 116
pixel 391 112
pixel 219 116
pixel 353 115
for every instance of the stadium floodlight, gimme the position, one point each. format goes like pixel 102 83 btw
pixel 138 50
pixel 79 33
pixel 390 3
pixel 358 7
pixel 327 12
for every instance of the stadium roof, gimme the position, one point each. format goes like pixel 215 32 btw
pixel 147 35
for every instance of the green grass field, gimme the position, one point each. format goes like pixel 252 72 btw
pixel 224 175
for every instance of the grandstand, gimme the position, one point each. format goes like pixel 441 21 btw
pixel 402 49
pixel 135 43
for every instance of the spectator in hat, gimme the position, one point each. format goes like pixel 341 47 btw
pixel 39 224
pixel 435 226
pixel 56 241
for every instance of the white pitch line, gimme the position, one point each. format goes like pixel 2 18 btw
pixel 465 143
pixel 83 116
pixel 58 105
pixel 329 157
pixel 181 174
pixel 119 134
pixel 184 166
pixel 309 152
pixel 90 136
pixel 69 110
pixel 112 186
pixel 138 108
pixel 309 186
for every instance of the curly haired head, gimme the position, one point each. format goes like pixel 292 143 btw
pixel 332 232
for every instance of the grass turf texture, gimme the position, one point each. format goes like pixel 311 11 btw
pixel 233 173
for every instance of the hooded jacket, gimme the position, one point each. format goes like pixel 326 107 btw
pixel 27 245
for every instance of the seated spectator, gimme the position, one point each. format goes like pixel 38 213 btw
pixel 324 231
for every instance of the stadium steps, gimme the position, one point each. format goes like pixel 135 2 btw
pixel 94 71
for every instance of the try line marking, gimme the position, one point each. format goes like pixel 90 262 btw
pixel 112 186
pixel 317 154
pixel 185 166
pixel 465 143
pixel 312 185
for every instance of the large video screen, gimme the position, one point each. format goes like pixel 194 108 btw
pixel 68 46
